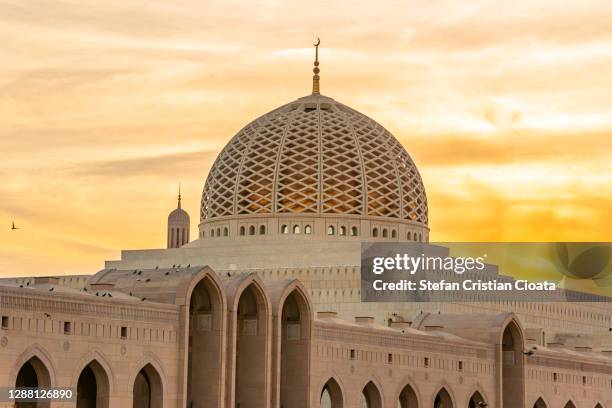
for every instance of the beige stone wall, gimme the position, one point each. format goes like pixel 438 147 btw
pixel 355 356
pixel 203 346
pixel 36 328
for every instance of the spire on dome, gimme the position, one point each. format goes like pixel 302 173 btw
pixel 179 196
pixel 315 78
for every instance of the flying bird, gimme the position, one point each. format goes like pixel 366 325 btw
pixel 13 227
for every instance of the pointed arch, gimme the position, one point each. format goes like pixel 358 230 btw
pixel 32 373
pixel 512 345
pixel 292 315
pixel 148 389
pixel 444 398
pixel 98 356
pixel 93 386
pixel 331 394
pixel 204 322
pixel 408 396
pixel 371 395
pixel 43 362
pixel 249 341
pixel 569 404
pixel 540 403
pixel 477 400
pixel 151 360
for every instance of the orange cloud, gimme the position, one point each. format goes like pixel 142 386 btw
pixel 105 107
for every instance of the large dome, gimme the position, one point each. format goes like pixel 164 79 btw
pixel 314 156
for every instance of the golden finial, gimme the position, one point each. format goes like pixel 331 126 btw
pixel 315 78
pixel 179 196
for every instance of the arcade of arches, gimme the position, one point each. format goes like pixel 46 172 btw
pixel 241 341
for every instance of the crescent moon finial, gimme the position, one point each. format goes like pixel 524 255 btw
pixel 315 78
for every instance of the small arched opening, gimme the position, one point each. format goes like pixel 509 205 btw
pixel 540 404
pixel 477 401
pixel 443 399
pixel 93 387
pixel 408 398
pixel 569 404
pixel 331 395
pixel 33 374
pixel 370 396
pixel 148 389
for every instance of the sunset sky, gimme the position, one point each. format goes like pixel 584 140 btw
pixel 506 108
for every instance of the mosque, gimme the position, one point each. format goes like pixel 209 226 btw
pixel 263 309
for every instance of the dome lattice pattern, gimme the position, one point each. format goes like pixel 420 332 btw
pixel 314 156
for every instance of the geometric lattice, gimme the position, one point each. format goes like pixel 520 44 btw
pixel 318 156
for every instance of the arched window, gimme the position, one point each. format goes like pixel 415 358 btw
pixel 370 396
pixel 225 232
pixel 252 230
pixel 331 230
pixel 308 230
pixel 385 233
pixel 407 398
pixel 296 229
pixel 218 232
pixel 147 389
pixel 262 230
pixel 342 230
pixel 477 401
pixel 331 395
pixel 92 386
pixel 420 237
pixel 540 404
pixel 354 231
pixel 212 232
pixel 393 234
pixel 284 229
pixel 443 399
pixel 375 232
pixel 408 236
pixel 242 231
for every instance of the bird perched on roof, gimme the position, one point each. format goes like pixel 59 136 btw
pixel 13 227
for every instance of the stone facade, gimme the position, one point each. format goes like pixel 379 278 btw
pixel 205 340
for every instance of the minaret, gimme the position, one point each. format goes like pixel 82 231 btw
pixel 178 226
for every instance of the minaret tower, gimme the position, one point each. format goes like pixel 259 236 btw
pixel 178 226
